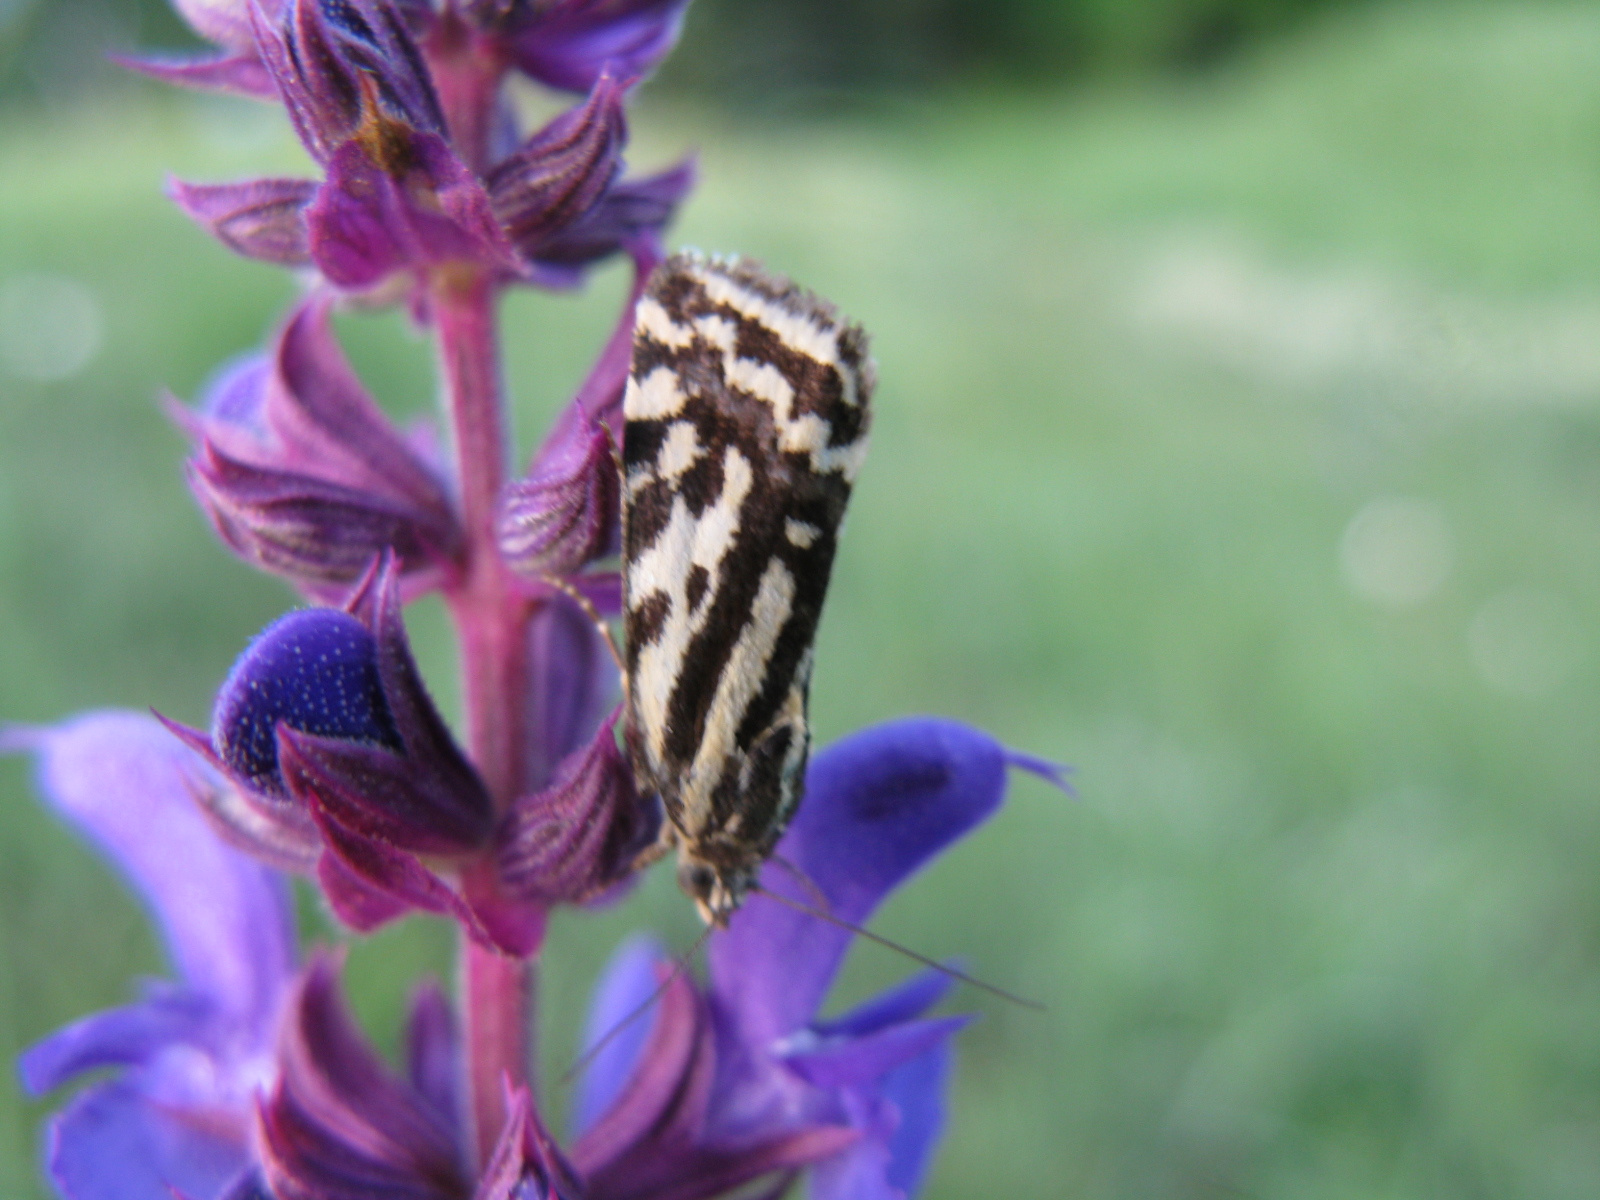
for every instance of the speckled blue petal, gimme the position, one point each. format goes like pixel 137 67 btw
pixel 316 671
pixel 878 805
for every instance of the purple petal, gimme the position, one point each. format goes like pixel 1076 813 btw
pixel 393 873
pixel 629 980
pixel 376 793
pixel 237 74
pixel 1051 772
pixel 565 512
pixel 320 407
pixel 366 224
pixel 918 1090
pixel 353 900
pixel 571 684
pixel 321 535
pixel 111 1143
pixel 225 22
pixel 116 1037
pixel 336 1082
pixel 262 219
pixel 126 782
pixel 236 394
pixel 851 1062
pixel 661 1106
pixel 427 739
pixel 901 1003
pixel 575 41
pixel 878 805
pixel 433 1054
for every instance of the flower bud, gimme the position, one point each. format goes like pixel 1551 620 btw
pixel 562 171
pixel 566 511
pixel 301 473
pixel 580 835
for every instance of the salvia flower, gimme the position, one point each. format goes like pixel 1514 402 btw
pixel 335 751
pixel 301 473
pixel 864 1090
pixel 188 1057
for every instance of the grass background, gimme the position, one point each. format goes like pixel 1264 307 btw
pixel 1325 920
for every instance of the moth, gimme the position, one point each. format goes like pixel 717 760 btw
pixel 745 422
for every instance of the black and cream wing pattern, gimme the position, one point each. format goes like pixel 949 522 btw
pixel 746 416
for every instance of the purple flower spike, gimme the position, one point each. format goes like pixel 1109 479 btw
pixel 565 512
pixel 361 98
pixel 301 473
pixel 562 172
pixel 580 835
pixel 568 43
pixel 189 1055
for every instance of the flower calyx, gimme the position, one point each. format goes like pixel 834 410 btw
pixel 301 473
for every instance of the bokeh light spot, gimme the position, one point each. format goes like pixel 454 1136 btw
pixel 1396 552
pixel 50 327
pixel 1526 642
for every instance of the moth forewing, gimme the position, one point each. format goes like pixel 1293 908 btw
pixel 745 421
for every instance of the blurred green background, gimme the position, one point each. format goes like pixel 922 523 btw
pixel 1238 442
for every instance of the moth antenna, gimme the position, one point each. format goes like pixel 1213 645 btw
pixel 590 611
pixel 822 914
pixel 680 964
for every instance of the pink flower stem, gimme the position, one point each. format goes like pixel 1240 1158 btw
pixel 491 623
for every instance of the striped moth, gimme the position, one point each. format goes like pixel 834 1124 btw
pixel 746 415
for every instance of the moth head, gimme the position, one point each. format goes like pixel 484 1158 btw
pixel 715 893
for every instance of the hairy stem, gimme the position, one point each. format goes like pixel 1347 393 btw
pixel 490 619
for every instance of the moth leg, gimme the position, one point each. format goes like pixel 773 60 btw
pixel 656 851
pixel 589 610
